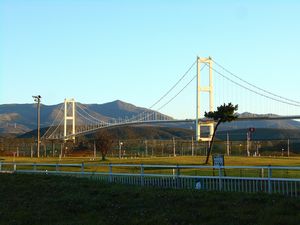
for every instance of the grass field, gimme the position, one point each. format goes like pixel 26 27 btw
pixel 92 165
pixel 35 199
pixel 181 160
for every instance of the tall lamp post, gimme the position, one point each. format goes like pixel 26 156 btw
pixel 120 149
pixel 37 98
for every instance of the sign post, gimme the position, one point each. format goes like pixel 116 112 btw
pixel 218 161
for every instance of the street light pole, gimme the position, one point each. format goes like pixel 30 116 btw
pixel 37 98
pixel 120 149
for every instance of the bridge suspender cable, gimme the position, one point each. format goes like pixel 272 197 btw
pixel 97 120
pixel 253 91
pixel 194 63
pixel 162 97
pixel 252 85
pixel 52 125
pixel 177 94
pixel 56 128
pixel 144 117
pixel 180 90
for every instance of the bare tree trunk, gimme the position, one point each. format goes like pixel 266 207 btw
pixel 103 154
pixel 211 142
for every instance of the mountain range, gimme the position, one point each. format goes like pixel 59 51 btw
pixel 21 118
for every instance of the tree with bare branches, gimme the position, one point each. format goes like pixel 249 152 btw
pixel 103 141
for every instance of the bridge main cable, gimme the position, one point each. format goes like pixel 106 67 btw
pixel 184 75
pixel 256 92
pixel 254 86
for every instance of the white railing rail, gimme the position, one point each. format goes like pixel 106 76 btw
pixel 176 176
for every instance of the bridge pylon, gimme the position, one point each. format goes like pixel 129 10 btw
pixel 69 115
pixel 210 90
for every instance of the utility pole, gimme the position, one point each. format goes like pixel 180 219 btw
pixel 95 153
pixel 227 145
pixel 120 149
pixel 248 144
pixel 61 150
pixel 31 151
pixel 174 147
pixel 192 146
pixel 146 149
pixel 37 98
pixel 288 148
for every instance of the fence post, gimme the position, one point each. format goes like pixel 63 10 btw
pixel 269 179
pixel 15 166
pixel 177 176
pixel 0 166
pixel 82 168
pixel 142 175
pixel 110 172
pixel 34 166
pixel 220 178
pixel 56 168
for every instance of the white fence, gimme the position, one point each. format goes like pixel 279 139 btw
pixel 250 179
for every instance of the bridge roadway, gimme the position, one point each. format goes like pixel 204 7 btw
pixel 181 121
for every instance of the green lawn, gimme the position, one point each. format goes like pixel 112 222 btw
pixel 182 160
pixel 35 199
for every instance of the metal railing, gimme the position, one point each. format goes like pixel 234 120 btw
pixel 250 179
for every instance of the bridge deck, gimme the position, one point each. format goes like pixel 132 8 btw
pixel 182 121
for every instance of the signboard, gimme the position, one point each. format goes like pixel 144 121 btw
pixel 218 160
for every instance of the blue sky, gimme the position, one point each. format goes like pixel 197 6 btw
pixel 100 51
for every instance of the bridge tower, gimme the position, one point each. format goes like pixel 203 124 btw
pixel 69 103
pixel 210 90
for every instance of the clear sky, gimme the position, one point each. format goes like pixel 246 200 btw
pixel 100 51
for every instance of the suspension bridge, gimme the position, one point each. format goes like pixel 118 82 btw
pixel 74 119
